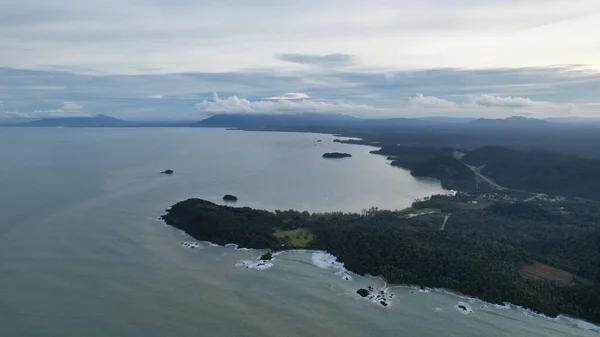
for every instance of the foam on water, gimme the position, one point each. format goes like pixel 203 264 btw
pixel 580 323
pixel 325 260
pixel 464 308
pixel 255 264
pixel 191 244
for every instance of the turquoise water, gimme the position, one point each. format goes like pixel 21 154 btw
pixel 82 252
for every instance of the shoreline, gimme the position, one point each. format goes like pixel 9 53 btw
pixel 587 325
pixel 578 322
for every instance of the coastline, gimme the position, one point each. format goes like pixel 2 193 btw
pixel 575 321
pixel 389 285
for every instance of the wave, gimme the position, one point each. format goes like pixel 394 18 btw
pixel 580 323
pixel 255 264
pixel 191 244
pixel 325 260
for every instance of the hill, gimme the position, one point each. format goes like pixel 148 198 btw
pixel 512 122
pixel 283 121
pixel 539 171
pixel 93 121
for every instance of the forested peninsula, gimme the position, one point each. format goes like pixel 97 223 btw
pixel 540 254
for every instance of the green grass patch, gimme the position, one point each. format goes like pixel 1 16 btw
pixel 411 212
pixel 297 238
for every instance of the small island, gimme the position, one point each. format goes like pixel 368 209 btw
pixel 336 155
pixel 230 198
pixel 167 172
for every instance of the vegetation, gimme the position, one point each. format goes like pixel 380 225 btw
pixel 482 251
pixel 539 171
pixel 268 256
pixel 230 198
pixel 336 155
pixel 295 238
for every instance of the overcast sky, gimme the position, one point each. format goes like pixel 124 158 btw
pixel 186 59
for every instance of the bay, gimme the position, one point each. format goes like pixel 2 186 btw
pixel 82 251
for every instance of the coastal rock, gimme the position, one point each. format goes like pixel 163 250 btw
pixel 336 155
pixel 169 172
pixel 266 257
pixel 191 244
pixel 362 292
pixel 230 198
pixel 258 265
pixel 379 296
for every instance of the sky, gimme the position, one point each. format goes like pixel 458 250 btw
pixel 188 59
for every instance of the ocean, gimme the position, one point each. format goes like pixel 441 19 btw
pixel 83 252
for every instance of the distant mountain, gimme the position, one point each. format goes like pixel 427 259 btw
pixel 267 121
pixel 510 122
pixel 97 121
pixel 94 121
pixel 304 120
pixel 449 120
pixel 574 120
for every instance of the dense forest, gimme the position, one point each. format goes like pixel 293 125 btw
pixel 539 171
pixel 483 250
pixel 523 134
pixel 535 171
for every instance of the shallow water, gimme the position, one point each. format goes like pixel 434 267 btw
pixel 82 251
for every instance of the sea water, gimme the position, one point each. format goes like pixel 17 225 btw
pixel 83 253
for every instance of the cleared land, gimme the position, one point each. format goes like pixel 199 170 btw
pixel 297 238
pixel 545 272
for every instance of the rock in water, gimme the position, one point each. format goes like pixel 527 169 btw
pixel 266 257
pixel 167 172
pixel 230 198
pixel 363 292
pixel 336 155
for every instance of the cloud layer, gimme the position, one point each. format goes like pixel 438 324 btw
pixel 290 96
pixel 331 60
pixel 485 105
pixel 135 37
pixel 234 104
pixel 559 91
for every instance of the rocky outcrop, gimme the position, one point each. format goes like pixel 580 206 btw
pixel 336 155
pixel 230 198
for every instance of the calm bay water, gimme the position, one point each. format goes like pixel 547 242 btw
pixel 83 254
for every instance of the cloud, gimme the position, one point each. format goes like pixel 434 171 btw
pixel 431 102
pixel 487 105
pixel 503 102
pixel 330 60
pixel 289 96
pixel 234 104
pixel 141 37
pixel 553 91
pixel 68 109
